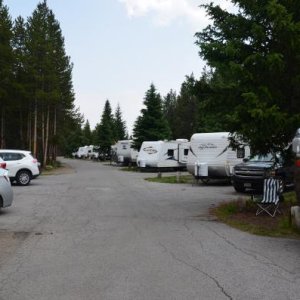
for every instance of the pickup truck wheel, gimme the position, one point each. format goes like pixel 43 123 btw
pixel 23 177
pixel 239 187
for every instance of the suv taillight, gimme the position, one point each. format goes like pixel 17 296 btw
pixel 34 161
pixel 3 165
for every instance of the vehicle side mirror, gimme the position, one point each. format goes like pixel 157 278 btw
pixel 246 159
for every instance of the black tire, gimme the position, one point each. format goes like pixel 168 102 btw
pixel 23 177
pixel 239 187
pixel 205 180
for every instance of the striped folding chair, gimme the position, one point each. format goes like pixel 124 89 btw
pixel 269 202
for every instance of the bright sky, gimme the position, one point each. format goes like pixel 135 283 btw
pixel 120 47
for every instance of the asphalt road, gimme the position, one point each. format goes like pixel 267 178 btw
pixel 101 233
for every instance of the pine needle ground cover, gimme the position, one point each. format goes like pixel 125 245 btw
pixel 240 214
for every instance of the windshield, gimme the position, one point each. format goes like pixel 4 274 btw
pixel 263 158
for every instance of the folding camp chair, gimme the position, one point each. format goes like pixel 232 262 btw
pixel 269 202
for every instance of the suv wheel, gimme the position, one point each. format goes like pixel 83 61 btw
pixel 23 177
pixel 239 187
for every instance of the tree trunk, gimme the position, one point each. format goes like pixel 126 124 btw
pixel 28 140
pixel 2 140
pixel 54 152
pixel 46 137
pixel 35 130
pixel 43 132
pixel 21 128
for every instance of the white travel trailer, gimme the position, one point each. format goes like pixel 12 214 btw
pixel 93 152
pixel 211 157
pixel 124 153
pixel 83 152
pixel 163 154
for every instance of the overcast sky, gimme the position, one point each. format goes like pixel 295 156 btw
pixel 120 47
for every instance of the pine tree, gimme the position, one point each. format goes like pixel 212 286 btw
pixel 50 73
pixel 255 54
pixel 6 67
pixel 151 124
pixel 71 137
pixel 187 109
pixel 87 134
pixel 120 125
pixel 19 116
pixel 169 108
pixel 106 130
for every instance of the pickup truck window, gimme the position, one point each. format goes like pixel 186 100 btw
pixel 262 158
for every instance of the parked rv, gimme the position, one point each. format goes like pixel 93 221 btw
pixel 94 152
pixel 210 156
pixel 83 152
pixel 163 154
pixel 124 153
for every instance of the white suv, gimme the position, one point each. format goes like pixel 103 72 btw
pixel 21 165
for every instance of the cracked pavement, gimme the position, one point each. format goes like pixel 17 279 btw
pixel 101 233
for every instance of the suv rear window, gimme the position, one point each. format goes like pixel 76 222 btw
pixel 11 156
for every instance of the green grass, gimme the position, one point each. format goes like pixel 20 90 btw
pixel 240 214
pixel 55 165
pixel 172 179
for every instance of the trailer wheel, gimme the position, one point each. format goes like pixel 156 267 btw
pixel 205 180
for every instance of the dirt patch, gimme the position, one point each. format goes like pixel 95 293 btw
pixel 9 242
pixel 260 220
pixel 263 220
pixel 242 215
pixel 62 169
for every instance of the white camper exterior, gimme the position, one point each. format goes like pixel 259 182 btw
pixel 211 157
pixel 124 152
pixel 93 152
pixel 163 154
pixel 83 152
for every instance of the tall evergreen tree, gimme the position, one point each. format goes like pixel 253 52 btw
pixel 36 90
pixel 169 108
pixel 49 70
pixel 87 134
pixel 72 134
pixel 19 115
pixel 151 124
pixel 106 129
pixel 6 67
pixel 255 53
pixel 210 117
pixel 187 108
pixel 120 125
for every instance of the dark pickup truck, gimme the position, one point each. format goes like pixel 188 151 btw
pixel 251 173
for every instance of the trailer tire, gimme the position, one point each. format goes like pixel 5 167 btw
pixel 205 180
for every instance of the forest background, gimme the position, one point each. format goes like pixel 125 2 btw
pixel 250 86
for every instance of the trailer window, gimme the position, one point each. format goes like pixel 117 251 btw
pixel 240 152
pixel 170 152
pixel 186 152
